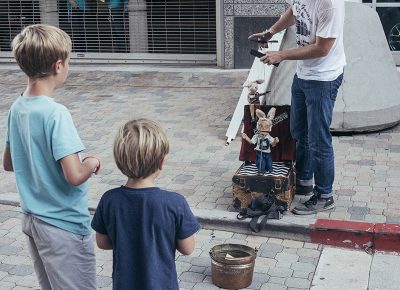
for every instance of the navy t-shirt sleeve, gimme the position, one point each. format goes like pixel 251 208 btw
pixel 98 222
pixel 188 224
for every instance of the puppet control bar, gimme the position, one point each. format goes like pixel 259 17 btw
pixel 257 71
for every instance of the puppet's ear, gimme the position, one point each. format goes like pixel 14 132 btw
pixel 260 114
pixel 246 84
pixel 271 113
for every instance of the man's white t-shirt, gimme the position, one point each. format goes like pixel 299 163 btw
pixel 323 18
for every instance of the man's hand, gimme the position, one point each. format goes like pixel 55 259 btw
pixel 261 37
pixel 284 22
pixel 272 57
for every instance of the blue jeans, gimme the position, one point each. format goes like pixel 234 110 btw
pixel 263 162
pixel 310 119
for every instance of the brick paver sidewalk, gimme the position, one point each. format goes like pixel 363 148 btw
pixel 281 264
pixel 195 108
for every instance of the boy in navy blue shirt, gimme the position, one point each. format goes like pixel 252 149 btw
pixel 143 224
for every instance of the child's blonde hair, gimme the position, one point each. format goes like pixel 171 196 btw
pixel 140 147
pixel 37 47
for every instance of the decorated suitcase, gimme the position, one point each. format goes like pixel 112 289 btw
pixel 281 182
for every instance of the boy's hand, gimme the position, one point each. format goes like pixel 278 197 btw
pixel 93 162
pixel 77 171
pixel 7 161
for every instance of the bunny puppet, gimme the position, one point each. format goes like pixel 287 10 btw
pixel 253 96
pixel 263 141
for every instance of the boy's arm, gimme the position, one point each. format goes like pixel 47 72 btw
pixel 186 246
pixel 7 161
pixel 77 172
pixel 103 242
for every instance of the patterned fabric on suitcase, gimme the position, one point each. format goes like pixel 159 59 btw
pixel 279 169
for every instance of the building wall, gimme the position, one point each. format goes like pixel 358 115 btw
pixel 240 10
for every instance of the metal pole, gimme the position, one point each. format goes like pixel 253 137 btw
pixel 138 30
pixel 219 5
pixel 49 12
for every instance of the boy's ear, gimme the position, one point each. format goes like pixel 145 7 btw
pixel 160 166
pixel 57 66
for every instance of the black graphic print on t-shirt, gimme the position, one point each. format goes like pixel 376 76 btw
pixel 303 23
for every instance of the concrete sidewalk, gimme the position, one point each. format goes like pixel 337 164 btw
pixel 281 264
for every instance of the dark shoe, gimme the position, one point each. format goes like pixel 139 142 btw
pixel 304 190
pixel 314 204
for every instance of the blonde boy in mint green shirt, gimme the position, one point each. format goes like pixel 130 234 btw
pixel 42 148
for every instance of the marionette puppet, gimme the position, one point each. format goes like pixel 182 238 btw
pixel 253 96
pixel 263 141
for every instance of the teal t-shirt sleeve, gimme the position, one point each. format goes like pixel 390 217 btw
pixel 64 137
pixel 188 224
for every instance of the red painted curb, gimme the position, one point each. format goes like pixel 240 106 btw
pixel 387 237
pixel 342 233
pixel 358 235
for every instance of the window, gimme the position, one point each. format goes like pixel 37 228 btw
pixel 182 26
pixel 14 16
pixel 389 13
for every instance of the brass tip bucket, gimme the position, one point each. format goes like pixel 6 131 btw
pixel 232 265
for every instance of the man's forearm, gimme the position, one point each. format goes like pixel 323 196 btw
pixel 285 21
pixel 320 48
pixel 300 53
